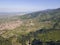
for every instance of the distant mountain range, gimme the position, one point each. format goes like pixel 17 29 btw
pixel 53 14
pixel 12 13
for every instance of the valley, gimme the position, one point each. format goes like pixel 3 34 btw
pixel 20 29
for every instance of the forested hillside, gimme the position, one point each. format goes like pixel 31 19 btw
pixel 41 25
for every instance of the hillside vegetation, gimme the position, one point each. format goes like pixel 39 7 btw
pixel 43 25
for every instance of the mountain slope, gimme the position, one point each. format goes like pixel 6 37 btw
pixel 46 16
pixel 43 25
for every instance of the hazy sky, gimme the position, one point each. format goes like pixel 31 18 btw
pixel 27 5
